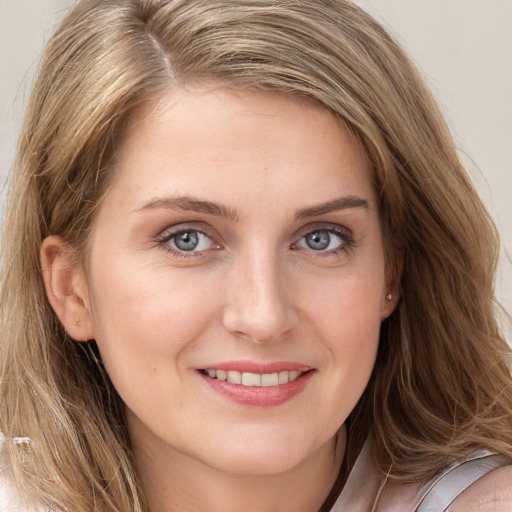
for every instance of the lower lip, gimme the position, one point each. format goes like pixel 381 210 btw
pixel 260 396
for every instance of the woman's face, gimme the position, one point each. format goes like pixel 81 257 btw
pixel 236 279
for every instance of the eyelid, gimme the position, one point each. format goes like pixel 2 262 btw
pixel 327 226
pixel 200 227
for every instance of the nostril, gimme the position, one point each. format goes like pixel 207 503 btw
pixel 259 327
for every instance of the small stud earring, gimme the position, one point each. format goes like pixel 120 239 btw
pixel 389 296
pixel 76 322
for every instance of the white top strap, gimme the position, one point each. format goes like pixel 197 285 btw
pixel 440 493
pixel 361 489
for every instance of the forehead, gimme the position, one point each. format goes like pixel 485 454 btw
pixel 213 141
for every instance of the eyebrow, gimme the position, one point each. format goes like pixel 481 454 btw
pixel 190 204
pixel 340 203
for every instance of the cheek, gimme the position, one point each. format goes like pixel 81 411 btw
pixel 145 322
pixel 348 302
pixel 346 315
pixel 353 341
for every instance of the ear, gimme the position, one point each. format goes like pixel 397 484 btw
pixel 66 288
pixel 394 273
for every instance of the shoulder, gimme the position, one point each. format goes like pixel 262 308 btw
pixel 491 493
pixel 482 482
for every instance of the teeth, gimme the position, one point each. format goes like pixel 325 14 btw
pixel 294 375
pixel 270 379
pixel 234 377
pixel 254 379
pixel 251 379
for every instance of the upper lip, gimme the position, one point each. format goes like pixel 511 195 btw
pixel 257 367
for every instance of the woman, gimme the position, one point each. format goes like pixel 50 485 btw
pixel 244 269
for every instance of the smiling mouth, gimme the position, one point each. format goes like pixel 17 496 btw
pixel 253 379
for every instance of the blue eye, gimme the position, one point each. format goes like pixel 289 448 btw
pixel 189 240
pixel 323 240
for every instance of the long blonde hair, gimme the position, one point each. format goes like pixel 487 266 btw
pixel 441 385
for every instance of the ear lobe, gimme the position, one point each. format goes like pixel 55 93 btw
pixel 393 277
pixel 66 288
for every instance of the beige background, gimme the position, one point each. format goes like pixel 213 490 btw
pixel 463 48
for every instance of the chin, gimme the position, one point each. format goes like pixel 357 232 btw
pixel 257 464
pixel 262 454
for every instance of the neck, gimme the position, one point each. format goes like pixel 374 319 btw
pixel 172 480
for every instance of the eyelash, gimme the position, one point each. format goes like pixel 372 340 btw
pixel 169 235
pixel 347 241
pixel 346 245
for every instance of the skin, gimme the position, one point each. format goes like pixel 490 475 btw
pixel 277 169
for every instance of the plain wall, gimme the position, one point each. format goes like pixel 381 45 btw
pixel 463 48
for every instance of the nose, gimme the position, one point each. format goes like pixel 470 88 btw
pixel 259 306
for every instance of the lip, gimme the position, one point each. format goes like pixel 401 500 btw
pixel 259 396
pixel 254 367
